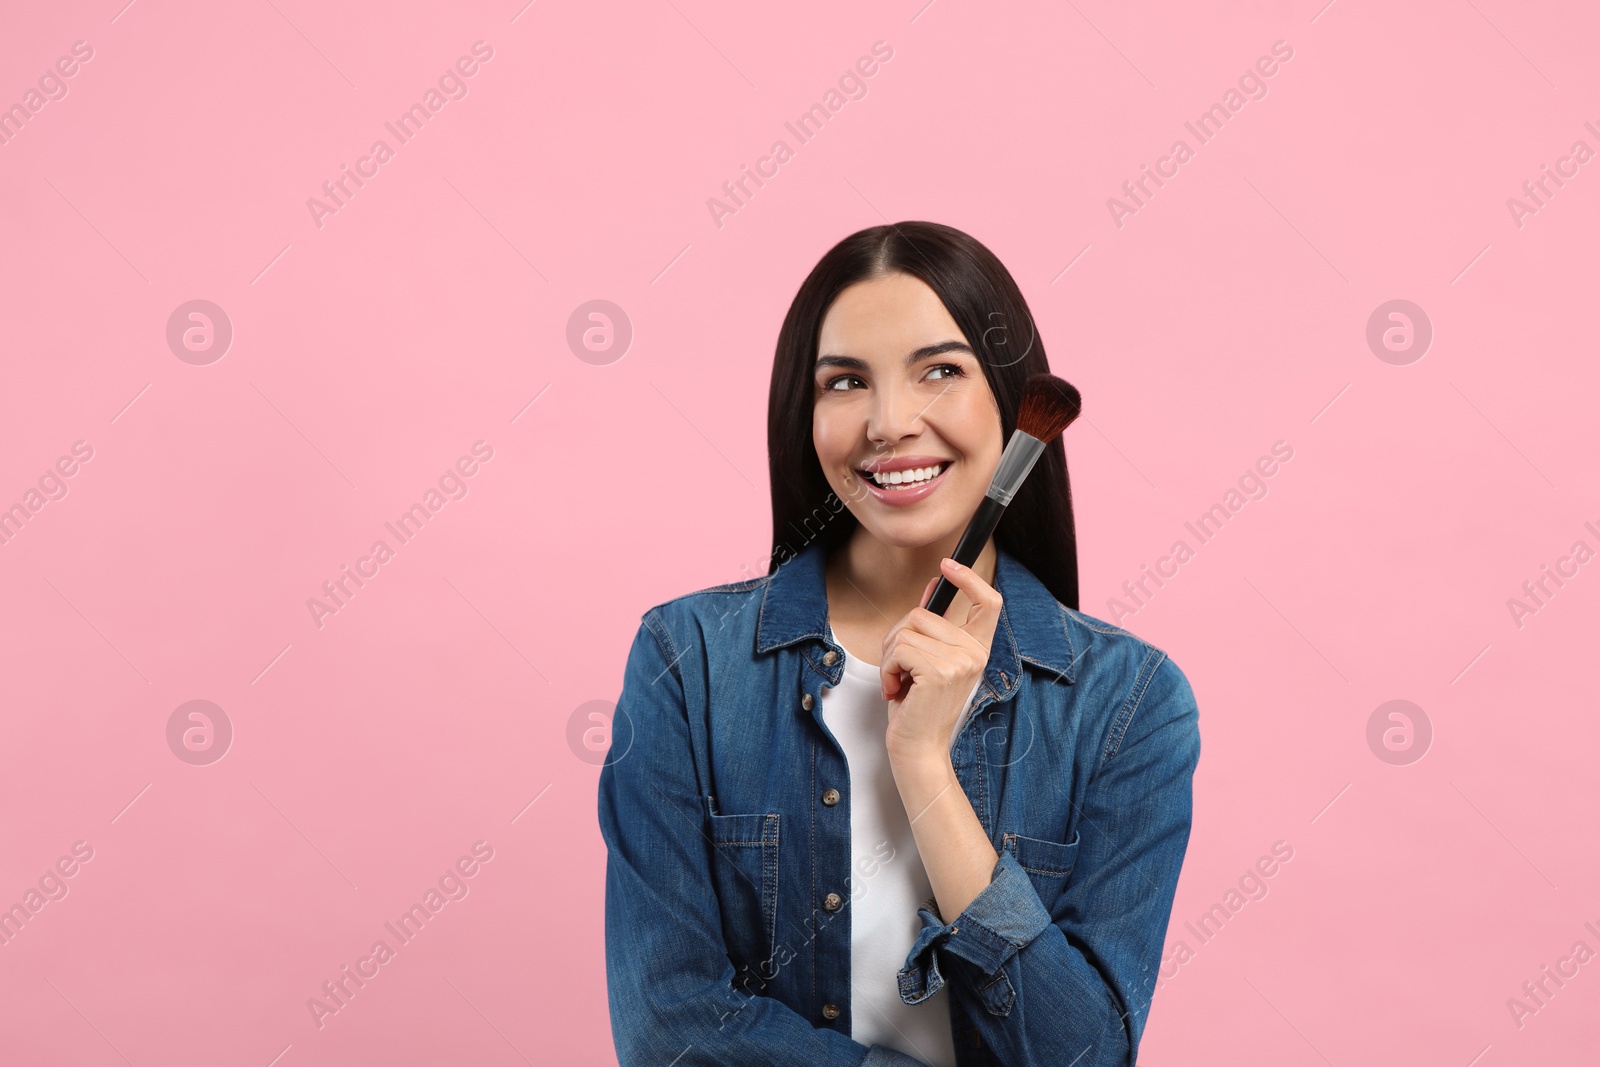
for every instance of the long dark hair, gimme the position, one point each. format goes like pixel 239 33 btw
pixel 985 302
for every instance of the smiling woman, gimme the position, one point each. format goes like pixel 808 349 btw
pixel 843 829
pixel 935 396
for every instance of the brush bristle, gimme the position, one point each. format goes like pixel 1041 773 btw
pixel 1049 404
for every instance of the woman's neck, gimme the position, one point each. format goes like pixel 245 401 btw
pixel 870 579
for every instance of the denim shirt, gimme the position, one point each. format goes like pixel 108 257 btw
pixel 724 804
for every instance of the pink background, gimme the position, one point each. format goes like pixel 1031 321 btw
pixel 439 706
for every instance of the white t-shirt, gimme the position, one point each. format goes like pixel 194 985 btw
pixel 884 900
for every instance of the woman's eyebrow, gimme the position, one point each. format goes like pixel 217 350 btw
pixel 917 356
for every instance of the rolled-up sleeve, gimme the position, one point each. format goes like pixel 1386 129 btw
pixel 669 981
pixel 1001 920
pixel 1076 990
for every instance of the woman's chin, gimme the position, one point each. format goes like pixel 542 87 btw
pixel 912 531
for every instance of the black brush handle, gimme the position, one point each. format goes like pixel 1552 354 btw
pixel 967 552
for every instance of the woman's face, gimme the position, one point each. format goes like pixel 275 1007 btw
pixel 898 387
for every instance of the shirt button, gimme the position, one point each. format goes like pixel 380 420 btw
pixel 830 657
pixel 830 797
pixel 832 901
pixel 830 1011
pixel 805 702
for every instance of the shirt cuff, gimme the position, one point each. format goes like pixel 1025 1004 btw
pixel 1001 919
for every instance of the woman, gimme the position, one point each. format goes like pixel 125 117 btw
pixel 843 830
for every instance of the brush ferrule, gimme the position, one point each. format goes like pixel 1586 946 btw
pixel 1021 453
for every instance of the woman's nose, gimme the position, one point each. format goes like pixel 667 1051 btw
pixel 896 413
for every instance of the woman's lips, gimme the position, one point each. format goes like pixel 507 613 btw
pixel 902 497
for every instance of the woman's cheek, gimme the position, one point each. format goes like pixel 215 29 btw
pixel 831 453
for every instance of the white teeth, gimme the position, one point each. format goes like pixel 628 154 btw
pixel 910 479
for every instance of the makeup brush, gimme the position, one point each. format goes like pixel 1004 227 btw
pixel 1049 404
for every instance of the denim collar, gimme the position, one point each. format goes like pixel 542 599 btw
pixel 1032 626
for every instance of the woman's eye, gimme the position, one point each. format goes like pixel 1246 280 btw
pixel 833 384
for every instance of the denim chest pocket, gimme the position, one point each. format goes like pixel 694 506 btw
pixel 745 874
pixel 1048 863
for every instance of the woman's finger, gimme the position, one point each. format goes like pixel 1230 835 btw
pixel 923 621
pixel 934 660
pixel 901 663
pixel 927 591
pixel 984 614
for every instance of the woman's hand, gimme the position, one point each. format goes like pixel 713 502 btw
pixel 930 664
